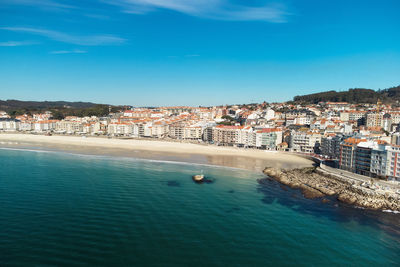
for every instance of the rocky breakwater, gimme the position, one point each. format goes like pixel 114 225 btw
pixel 316 184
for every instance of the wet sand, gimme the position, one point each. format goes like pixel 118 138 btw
pixel 249 159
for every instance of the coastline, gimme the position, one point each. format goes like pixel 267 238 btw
pixel 249 159
pixel 315 183
pixel 288 169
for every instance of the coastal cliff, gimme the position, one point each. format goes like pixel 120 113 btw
pixel 315 184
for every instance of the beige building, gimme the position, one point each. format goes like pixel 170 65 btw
pixel 375 120
pixel 224 134
pixel 69 126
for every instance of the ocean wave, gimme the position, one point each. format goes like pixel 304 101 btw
pixel 29 150
pixel 115 158
pixel 391 211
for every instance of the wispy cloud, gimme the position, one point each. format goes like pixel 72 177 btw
pixel 97 16
pixel 272 11
pixel 46 4
pixel 92 40
pixel 75 51
pixel 212 9
pixel 17 43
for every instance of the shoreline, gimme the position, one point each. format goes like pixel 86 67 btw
pixel 288 169
pixel 116 157
pixel 316 184
pixel 249 159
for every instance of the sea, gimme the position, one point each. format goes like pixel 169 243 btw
pixel 64 209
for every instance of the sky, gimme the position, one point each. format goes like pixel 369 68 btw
pixel 195 52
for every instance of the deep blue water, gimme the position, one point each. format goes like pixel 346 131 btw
pixel 64 209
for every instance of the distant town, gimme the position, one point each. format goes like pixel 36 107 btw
pixel 360 138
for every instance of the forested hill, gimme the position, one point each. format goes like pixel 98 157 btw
pixel 60 109
pixel 7 104
pixel 356 95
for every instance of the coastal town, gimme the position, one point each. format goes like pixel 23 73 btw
pixel 199 133
pixel 363 139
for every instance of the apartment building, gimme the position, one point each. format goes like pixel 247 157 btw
pixel 25 126
pixel 44 126
pixel 159 129
pixel 352 115
pixel 69 126
pixel 393 161
pixel 120 128
pixel 336 105
pixel 304 141
pixel 362 158
pixel 137 113
pixel 8 124
pixel 347 153
pixel 375 119
pixel 224 134
pixel 379 160
pixel 330 146
pixel 268 138
pixel 208 135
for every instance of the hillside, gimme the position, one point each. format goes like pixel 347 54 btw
pixel 356 95
pixel 16 104
pixel 60 109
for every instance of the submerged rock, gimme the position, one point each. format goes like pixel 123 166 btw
pixel 173 183
pixel 205 180
pixel 324 200
pixel 309 192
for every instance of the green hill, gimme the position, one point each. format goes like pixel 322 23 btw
pixel 60 109
pixel 356 95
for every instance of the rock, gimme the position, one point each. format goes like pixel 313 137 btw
pixel 324 200
pixel 325 190
pixel 310 192
pixel 345 198
pixel 283 187
pixel 315 184
pixel 273 172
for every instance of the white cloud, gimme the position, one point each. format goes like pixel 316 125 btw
pixel 212 9
pixel 97 16
pixel 75 51
pixel 17 43
pixel 92 40
pixel 46 4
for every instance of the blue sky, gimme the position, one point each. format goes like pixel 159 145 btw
pixel 202 52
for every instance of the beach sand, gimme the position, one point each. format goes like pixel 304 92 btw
pixel 250 159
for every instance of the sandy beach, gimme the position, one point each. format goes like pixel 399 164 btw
pixel 250 159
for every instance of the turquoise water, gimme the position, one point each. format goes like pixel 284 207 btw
pixel 65 209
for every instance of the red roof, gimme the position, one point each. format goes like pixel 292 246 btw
pixel 233 127
pixel 269 130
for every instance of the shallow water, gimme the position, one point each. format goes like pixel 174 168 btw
pixel 68 209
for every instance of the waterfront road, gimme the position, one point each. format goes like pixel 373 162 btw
pixel 359 178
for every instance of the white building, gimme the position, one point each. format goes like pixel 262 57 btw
pixel 269 114
pixel 4 115
pixel 44 126
pixel 304 141
pixel 7 124
pixel 268 138
pixel 120 128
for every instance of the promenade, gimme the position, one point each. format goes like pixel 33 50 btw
pixel 357 178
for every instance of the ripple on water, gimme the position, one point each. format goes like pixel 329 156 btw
pixel 60 209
